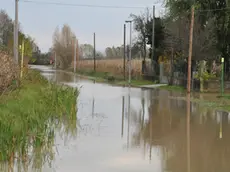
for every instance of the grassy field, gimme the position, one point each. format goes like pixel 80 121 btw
pixel 113 66
pixel 173 88
pixel 113 79
pixel 29 112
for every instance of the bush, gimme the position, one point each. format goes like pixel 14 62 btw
pixel 8 71
pixel 111 78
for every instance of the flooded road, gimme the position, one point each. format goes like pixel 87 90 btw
pixel 138 130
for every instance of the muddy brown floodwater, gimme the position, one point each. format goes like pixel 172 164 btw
pixel 151 133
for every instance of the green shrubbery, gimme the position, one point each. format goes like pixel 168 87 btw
pixel 29 113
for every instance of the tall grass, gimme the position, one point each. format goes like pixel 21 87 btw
pixel 29 114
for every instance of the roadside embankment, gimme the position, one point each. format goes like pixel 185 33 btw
pixel 106 77
pixel 29 113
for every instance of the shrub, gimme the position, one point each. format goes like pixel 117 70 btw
pixel 8 71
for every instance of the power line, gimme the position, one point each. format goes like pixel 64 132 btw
pixel 106 6
pixel 79 5
pixel 216 9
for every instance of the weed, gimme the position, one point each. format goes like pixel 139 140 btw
pixel 28 113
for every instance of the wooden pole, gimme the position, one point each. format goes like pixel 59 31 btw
pixel 22 58
pixel 74 55
pixel 190 51
pixel 153 41
pixel 124 51
pixel 77 55
pixel 94 52
pixel 73 51
pixel 16 33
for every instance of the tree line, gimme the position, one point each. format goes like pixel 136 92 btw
pixel 31 49
pixel 211 35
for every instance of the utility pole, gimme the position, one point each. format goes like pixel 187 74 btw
pixel 74 45
pixel 77 55
pixel 130 50
pixel 130 53
pixel 16 33
pixel 153 36
pixel 190 52
pixel 94 52
pixel 55 58
pixel 22 58
pixel 124 51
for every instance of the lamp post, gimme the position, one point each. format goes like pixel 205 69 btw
pixel 130 49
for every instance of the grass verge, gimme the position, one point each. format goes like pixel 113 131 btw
pixel 116 80
pixel 28 113
pixel 218 104
pixel 172 88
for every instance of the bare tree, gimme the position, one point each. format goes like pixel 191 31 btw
pixel 140 23
pixel 63 46
pixel 204 40
pixel 86 51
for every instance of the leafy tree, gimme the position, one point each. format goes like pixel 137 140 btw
pixel 86 51
pixel 109 52
pixel 207 10
pixel 7 36
pixel 6 28
pixel 140 26
pixel 28 44
pixel 158 37
pixel 143 26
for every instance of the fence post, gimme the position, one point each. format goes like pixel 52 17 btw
pixel 222 76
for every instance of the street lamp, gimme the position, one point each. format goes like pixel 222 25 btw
pixel 130 49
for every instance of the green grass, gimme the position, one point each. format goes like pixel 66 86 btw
pixel 137 82
pixel 28 113
pixel 172 88
pixel 116 80
pixel 218 104
pixel 225 96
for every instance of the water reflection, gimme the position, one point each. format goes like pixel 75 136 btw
pixel 188 130
pixel 132 130
pixel 41 148
pixel 129 113
pixel 189 137
pixel 123 114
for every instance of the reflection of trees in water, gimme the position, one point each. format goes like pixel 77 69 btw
pixel 208 151
pixel 168 120
pixel 34 150
pixel 160 112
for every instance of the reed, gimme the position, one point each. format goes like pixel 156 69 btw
pixel 29 114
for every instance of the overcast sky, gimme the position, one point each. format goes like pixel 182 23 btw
pixel 40 20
